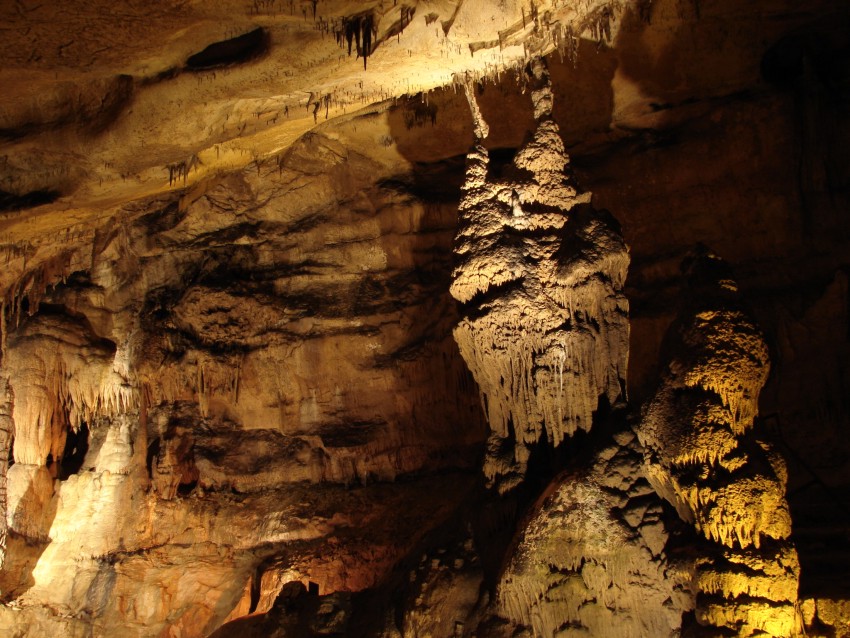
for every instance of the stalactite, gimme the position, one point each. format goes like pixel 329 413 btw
pixel 23 297
pixel 182 169
pixel 540 275
pixel 199 378
pixel 61 378
pixel 359 30
pixel 6 433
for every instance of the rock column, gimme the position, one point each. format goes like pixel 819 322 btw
pixel 702 455
pixel 6 433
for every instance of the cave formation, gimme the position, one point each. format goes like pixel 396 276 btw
pixel 534 321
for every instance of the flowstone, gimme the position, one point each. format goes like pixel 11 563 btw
pixel 593 558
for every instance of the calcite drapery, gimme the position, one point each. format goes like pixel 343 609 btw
pixel 539 273
pixel 702 456
pixel 63 377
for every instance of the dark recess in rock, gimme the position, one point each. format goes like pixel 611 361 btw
pixel 238 50
pixel 10 202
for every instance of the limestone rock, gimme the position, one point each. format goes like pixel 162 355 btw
pixel 165 427
pixel 592 558
pixel 540 275
pixel 226 328
pixel 701 455
pixel 6 433
pixel 445 591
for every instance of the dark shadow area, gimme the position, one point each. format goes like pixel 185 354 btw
pixel 74 455
pixel 820 513
pixel 811 64
pixel 10 202
pixel 89 106
pixel 239 50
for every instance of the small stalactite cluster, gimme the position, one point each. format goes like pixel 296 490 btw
pixel 560 28
pixel 197 377
pixel 22 298
pixel 181 170
pixel 539 274
pixel 359 31
pixel 702 455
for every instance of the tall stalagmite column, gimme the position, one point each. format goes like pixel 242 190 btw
pixel 702 455
pixel 539 273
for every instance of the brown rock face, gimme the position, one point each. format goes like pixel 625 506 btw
pixel 281 356
pixel 221 352
pixel 593 558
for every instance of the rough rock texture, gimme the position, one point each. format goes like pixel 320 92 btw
pixel 252 338
pixel 232 81
pixel 6 433
pixel 446 589
pixel 702 456
pixel 540 275
pixel 226 233
pixel 592 560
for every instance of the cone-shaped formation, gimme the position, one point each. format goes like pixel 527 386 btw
pixel 592 557
pixel 540 274
pixel 702 457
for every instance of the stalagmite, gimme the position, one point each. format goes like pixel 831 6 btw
pixel 278 358
pixel 539 273
pixel 593 559
pixel 702 456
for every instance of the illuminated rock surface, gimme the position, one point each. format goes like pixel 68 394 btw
pixel 702 456
pixel 540 275
pixel 593 559
pixel 242 366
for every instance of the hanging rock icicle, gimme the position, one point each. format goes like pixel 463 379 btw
pixel 702 455
pixel 6 432
pixel 539 272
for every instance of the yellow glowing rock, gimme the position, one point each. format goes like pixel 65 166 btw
pixel 702 456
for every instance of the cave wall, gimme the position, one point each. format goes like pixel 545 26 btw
pixel 223 376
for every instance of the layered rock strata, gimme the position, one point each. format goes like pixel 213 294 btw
pixel 703 455
pixel 539 273
pixel 202 391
